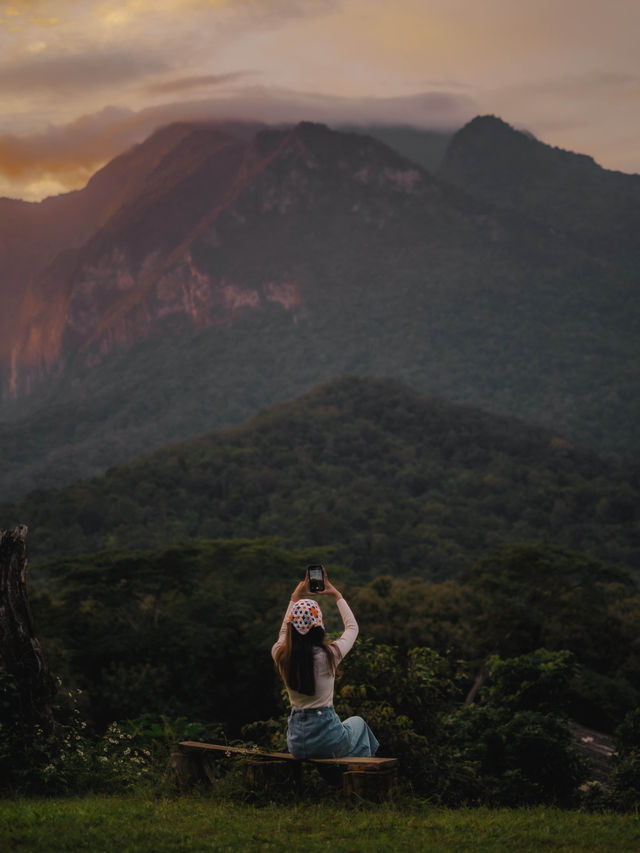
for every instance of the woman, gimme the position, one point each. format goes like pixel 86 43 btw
pixel 307 664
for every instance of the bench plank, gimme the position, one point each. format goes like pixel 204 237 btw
pixel 371 764
pixel 234 750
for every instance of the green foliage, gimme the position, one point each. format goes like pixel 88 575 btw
pixel 69 757
pixel 413 612
pixel 515 744
pixel 15 737
pixel 396 483
pixel 625 783
pixel 519 599
pixel 184 634
pixel 628 733
pixel 186 630
pixel 551 597
pixel 63 757
pixel 600 700
pixel 513 749
pixel 181 631
pixel 512 760
pixel 537 681
pixel 515 740
pixel 400 696
pixel 532 596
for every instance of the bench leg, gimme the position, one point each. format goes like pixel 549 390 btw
pixel 258 773
pixel 369 785
pixel 184 769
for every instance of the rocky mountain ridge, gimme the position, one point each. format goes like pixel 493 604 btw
pixel 230 268
pixel 567 191
pixel 138 266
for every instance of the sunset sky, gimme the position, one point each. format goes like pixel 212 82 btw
pixel 81 81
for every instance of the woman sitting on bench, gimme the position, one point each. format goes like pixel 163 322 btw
pixel 307 664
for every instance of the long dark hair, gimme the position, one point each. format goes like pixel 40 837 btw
pixel 294 658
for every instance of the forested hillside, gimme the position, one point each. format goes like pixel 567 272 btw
pixel 565 191
pixel 392 481
pixel 419 509
pixel 233 272
pixel 187 630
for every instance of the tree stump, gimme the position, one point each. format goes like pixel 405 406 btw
pixel 21 655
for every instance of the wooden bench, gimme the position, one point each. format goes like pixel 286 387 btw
pixel 369 778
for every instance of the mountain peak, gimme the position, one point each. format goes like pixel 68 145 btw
pixel 222 272
pixel 489 123
pixel 498 143
pixel 511 168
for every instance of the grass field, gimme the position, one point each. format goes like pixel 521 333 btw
pixel 139 823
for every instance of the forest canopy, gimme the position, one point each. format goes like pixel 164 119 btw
pixel 187 630
pixel 393 481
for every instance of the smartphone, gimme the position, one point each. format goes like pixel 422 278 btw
pixel 316 578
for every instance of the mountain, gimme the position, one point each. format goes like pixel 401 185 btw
pixel 389 480
pixel 229 269
pixel 33 234
pixel 567 191
pixel 162 251
pixel 37 234
pixel 427 148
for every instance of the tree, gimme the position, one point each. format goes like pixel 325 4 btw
pixel 28 685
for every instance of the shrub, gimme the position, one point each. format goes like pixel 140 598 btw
pixel 625 782
pixel 537 681
pixel 68 758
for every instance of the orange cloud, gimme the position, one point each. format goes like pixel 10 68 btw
pixel 74 73
pixel 67 156
pixel 185 83
pixel 70 151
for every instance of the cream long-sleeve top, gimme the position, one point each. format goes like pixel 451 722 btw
pixel 323 697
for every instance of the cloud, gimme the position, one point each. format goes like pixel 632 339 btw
pixel 73 73
pixel 102 49
pixel 65 157
pixel 183 84
pixel 587 84
pixel 270 11
pixel 119 16
pixel 445 110
pixel 68 152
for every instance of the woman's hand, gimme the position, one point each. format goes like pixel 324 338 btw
pixel 329 588
pixel 301 591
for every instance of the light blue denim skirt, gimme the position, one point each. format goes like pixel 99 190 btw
pixel 318 733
